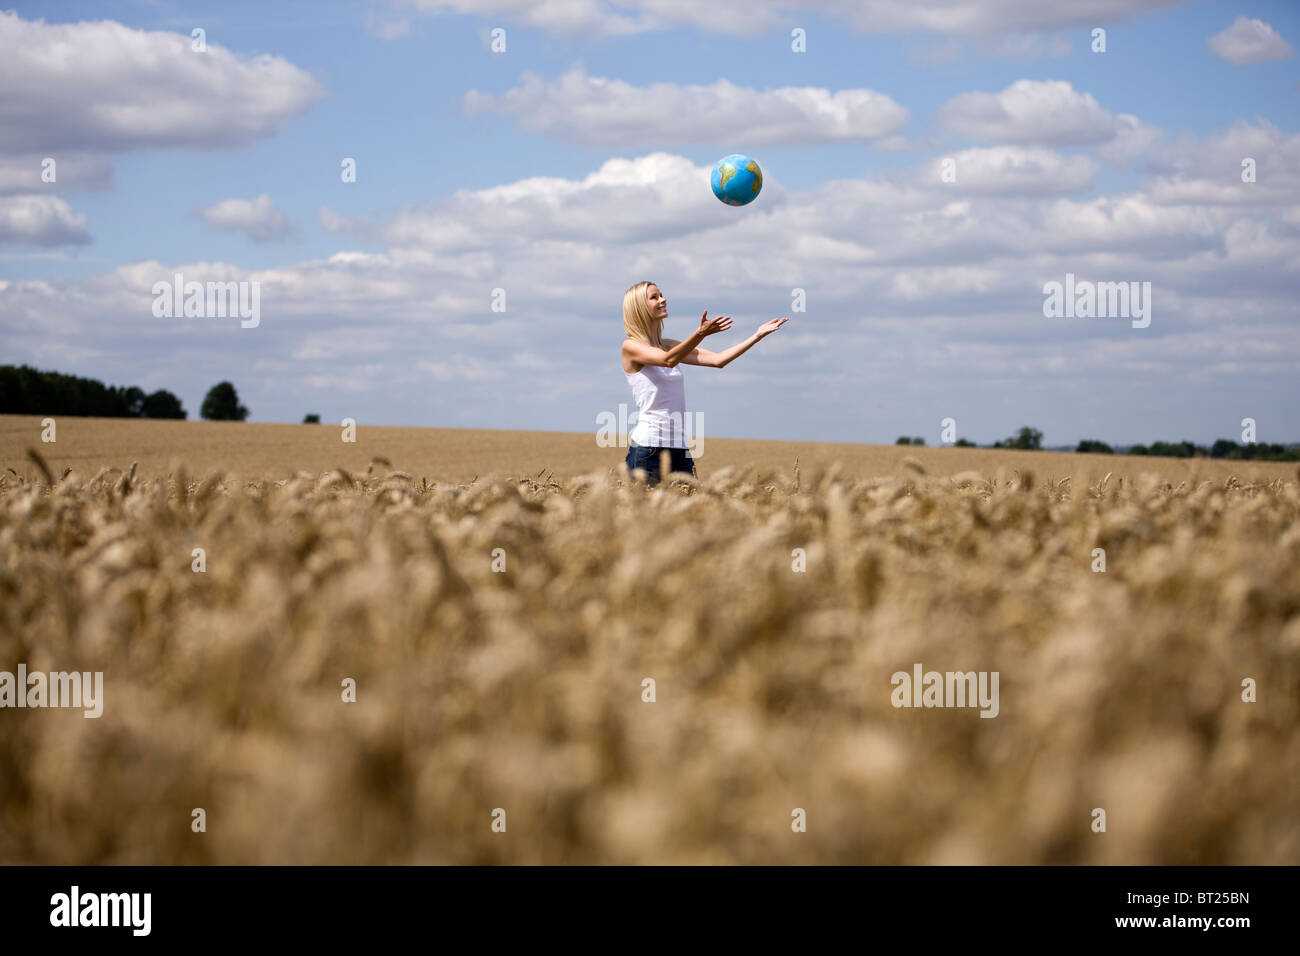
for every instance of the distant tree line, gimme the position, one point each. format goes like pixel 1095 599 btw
pixel 28 391
pixel 1252 451
pixel 1223 448
pixel 959 443
pixel 1031 439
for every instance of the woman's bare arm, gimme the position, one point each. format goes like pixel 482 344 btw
pixel 649 355
pixel 720 359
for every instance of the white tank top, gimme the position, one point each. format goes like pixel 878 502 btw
pixel 660 394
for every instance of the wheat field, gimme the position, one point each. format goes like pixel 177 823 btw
pixel 269 451
pixel 500 613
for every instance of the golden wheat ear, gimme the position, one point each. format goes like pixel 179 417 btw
pixel 37 459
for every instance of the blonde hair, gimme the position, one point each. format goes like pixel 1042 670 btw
pixel 638 322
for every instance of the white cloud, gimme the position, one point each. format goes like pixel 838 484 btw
pixel 1208 170
pixel 1250 41
pixel 595 111
pixel 1011 171
pixel 260 219
pixel 22 173
pixel 1133 139
pixel 1047 112
pixel 1132 227
pixel 982 16
pixel 101 86
pixel 555 16
pixel 40 220
pixel 625 201
pixel 746 18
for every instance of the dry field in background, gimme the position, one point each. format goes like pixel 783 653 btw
pixel 522 690
pixel 265 451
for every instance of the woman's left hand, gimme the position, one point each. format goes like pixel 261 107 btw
pixel 767 328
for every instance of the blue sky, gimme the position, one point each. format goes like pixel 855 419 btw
pixel 924 303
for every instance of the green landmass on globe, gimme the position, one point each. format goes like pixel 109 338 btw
pixel 729 170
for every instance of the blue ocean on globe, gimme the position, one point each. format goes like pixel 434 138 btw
pixel 736 179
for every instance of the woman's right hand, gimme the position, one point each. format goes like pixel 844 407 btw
pixel 709 326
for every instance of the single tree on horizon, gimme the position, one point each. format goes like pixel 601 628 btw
pixel 222 404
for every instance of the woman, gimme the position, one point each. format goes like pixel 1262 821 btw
pixel 650 364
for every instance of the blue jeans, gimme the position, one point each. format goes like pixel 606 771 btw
pixel 647 457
